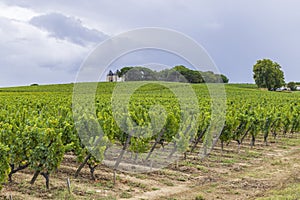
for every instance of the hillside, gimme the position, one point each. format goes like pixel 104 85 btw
pixel 255 155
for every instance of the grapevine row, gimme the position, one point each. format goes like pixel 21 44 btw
pixel 37 128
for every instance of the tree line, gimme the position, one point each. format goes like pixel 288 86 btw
pixel 178 73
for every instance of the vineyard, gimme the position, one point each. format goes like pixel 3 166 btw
pixel 39 130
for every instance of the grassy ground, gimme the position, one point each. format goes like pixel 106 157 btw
pixel 291 192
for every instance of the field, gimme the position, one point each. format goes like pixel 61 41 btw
pixel 257 155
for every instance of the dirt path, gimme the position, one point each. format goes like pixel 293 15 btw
pixel 273 171
pixel 162 192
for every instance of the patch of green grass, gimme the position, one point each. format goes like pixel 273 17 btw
pixel 188 163
pixel 284 147
pixel 155 189
pixel 229 161
pixel 65 195
pixel 90 192
pixel 233 191
pixel 182 179
pixel 167 183
pixel 105 184
pixel 244 157
pixel 214 185
pixel 290 141
pixel 137 185
pixel 292 192
pixel 202 168
pixel 277 163
pixel 125 195
pixel 107 198
pixel 199 197
pixel 141 176
pixel 253 154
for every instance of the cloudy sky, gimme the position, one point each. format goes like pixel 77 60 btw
pixel 47 41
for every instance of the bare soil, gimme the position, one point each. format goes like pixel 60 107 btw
pixel 249 174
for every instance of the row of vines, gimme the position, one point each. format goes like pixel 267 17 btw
pixel 37 128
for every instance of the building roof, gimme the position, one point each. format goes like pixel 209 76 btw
pixel 110 73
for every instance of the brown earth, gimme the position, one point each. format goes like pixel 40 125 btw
pixel 249 174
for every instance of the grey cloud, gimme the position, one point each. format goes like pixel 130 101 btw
pixel 67 28
pixel 235 33
pixel 29 55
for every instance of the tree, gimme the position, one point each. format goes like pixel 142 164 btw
pixel 292 86
pixel 191 76
pixel 178 73
pixel 224 78
pixel 268 74
pixel 210 77
pixel 138 74
pixel 123 71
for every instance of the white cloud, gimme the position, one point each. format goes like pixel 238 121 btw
pixel 29 55
pixel 16 12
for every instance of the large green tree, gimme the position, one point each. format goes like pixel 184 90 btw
pixel 268 74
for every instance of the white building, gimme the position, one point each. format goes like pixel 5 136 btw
pixel 113 77
pixel 283 89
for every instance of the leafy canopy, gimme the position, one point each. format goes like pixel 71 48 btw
pixel 268 74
